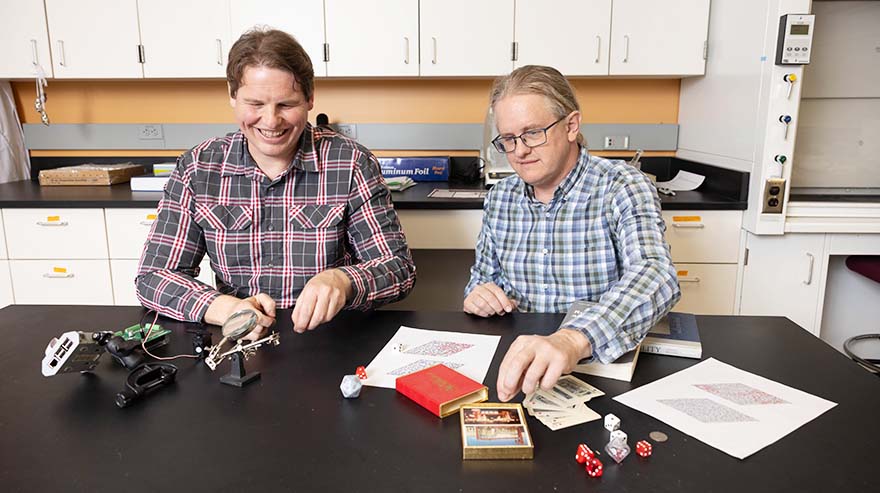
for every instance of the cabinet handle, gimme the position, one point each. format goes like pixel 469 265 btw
pixel 434 60
pixel 52 223
pixel 36 59
pixel 598 48
pixel 147 223
pixel 51 275
pixel 625 48
pixel 810 270
pixel 406 47
pixel 688 225
pixel 219 52
pixel 689 279
pixel 63 61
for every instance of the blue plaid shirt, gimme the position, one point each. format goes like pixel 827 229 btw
pixel 599 239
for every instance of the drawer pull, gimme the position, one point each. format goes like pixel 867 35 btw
pixel 689 279
pixel 809 279
pixel 52 223
pixel 688 225
pixel 147 222
pixel 58 275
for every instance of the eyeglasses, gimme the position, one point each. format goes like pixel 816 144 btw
pixel 529 138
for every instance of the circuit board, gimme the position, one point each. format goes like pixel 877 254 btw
pixel 137 333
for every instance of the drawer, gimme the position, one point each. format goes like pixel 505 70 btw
pixel 124 271
pixel 127 231
pixel 61 282
pixel 706 289
pixel 55 233
pixel 441 229
pixel 6 298
pixel 2 239
pixel 710 237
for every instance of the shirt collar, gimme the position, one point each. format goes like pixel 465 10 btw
pixel 568 183
pixel 240 162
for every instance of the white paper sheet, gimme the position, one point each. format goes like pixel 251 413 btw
pixel 469 354
pixel 682 182
pixel 730 409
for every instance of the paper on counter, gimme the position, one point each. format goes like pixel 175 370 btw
pixel 683 181
pixel 732 410
pixel 468 354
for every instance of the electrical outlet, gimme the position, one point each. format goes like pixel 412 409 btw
pixel 774 192
pixel 347 129
pixel 617 142
pixel 150 132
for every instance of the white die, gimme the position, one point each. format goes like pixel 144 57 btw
pixel 618 435
pixel 612 422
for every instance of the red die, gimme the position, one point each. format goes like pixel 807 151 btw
pixel 361 372
pixel 583 454
pixel 594 468
pixel 643 448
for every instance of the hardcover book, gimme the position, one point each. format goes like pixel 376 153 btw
pixel 675 335
pixel 441 390
pixel 621 369
pixel 495 431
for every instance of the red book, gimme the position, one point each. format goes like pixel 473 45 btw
pixel 441 390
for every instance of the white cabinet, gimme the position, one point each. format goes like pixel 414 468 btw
pixel 466 38
pixel 703 236
pixel 96 38
pixel 782 276
pixel 304 19
pixel 2 239
pixel 663 37
pixel 372 37
pixel 575 43
pixel 55 233
pixel 184 39
pixel 24 39
pixel 6 297
pixel 61 282
pixel 706 289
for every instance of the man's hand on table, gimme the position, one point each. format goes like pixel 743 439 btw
pixel 488 299
pixel 321 299
pixel 534 361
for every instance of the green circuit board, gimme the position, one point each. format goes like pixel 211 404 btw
pixel 135 332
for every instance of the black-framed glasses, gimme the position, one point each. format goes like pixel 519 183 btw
pixel 529 138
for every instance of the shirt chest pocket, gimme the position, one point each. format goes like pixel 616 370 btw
pixel 223 217
pixel 316 216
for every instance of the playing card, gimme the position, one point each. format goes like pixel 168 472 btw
pixel 578 388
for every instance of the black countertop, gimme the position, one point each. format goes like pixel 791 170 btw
pixel 292 430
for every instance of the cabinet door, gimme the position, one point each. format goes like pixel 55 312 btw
pixel 706 289
pixel 575 43
pixel 782 277
pixel 94 38
pixel 372 37
pixel 61 282
pixel 24 39
pixel 464 37
pixel 663 37
pixel 703 236
pixel 56 233
pixel 127 231
pixel 184 39
pixel 6 298
pixel 304 19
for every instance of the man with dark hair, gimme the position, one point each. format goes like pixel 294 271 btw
pixel 289 214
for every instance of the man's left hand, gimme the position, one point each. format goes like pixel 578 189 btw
pixel 321 299
pixel 539 360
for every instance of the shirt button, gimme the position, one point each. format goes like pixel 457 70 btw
pixel 546 287
pixel 271 227
pixel 270 265
pixel 545 251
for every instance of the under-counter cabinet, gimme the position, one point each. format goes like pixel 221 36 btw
pixel 86 46
pixel 372 38
pixel 575 43
pixel 664 37
pixel 6 297
pixel 184 39
pixel 24 39
pixel 304 19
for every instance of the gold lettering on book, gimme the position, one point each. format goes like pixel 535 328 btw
pixel 442 383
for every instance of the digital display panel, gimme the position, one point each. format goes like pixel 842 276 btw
pixel 800 29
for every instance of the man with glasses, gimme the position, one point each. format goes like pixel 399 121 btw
pixel 568 226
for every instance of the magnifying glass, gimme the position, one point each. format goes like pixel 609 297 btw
pixel 238 325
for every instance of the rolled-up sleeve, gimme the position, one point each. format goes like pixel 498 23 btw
pixel 173 251
pixel 648 287
pixel 384 271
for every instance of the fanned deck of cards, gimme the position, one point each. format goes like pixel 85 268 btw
pixel 564 405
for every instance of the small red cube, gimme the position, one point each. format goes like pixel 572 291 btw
pixel 594 468
pixel 361 372
pixel 583 454
pixel 643 448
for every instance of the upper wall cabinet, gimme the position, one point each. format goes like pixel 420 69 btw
pixel 372 37
pixel 84 46
pixel 663 37
pixel 184 39
pixel 24 40
pixel 575 43
pixel 304 19
pixel 466 37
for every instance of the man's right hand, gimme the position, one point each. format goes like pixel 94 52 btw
pixel 488 299
pixel 262 304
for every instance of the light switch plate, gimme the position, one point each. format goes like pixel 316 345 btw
pixel 620 142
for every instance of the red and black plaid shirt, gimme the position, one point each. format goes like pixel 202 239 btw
pixel 329 209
